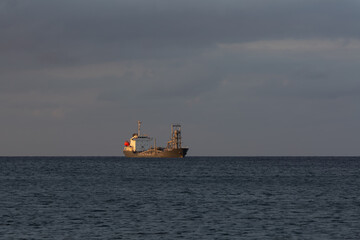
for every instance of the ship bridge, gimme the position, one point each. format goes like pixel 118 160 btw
pixel 138 142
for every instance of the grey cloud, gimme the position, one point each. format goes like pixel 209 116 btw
pixel 64 32
pixel 302 79
pixel 92 68
pixel 161 83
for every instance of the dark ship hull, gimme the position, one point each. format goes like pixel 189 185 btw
pixel 159 153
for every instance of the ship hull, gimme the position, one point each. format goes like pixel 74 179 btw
pixel 165 153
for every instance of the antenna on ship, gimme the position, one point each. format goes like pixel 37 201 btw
pixel 139 126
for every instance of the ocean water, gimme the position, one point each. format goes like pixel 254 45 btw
pixel 191 198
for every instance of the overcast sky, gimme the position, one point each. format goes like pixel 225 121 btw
pixel 243 77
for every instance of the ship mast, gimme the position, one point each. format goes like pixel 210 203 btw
pixel 139 126
pixel 175 141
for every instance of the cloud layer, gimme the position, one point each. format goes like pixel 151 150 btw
pixel 260 77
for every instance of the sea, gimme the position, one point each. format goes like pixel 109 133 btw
pixel 190 198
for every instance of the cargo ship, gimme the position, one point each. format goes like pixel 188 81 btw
pixel 144 146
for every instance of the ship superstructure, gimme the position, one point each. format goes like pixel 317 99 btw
pixel 144 146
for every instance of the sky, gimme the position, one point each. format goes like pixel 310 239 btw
pixel 242 77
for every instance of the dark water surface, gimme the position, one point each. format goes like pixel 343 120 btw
pixel 191 198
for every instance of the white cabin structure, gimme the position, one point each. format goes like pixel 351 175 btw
pixel 138 142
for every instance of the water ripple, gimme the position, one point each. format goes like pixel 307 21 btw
pixel 191 198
